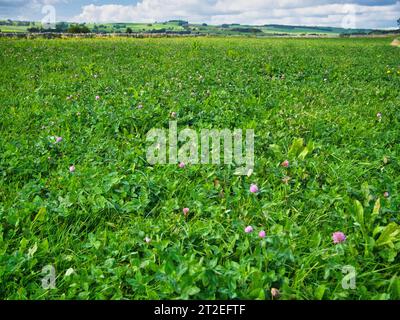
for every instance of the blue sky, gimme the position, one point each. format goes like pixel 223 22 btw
pixel 353 13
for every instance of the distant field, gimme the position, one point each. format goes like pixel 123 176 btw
pixel 13 28
pixel 112 225
pixel 16 28
pixel 136 27
pixel 233 29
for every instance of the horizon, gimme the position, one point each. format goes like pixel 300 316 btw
pixel 200 23
pixel 216 25
pixel 360 14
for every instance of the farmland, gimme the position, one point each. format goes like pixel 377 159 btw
pixel 77 193
pixel 184 27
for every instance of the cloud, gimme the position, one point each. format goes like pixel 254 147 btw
pixel 25 3
pixel 25 9
pixel 363 13
pixel 12 3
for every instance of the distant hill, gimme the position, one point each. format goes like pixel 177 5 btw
pixel 314 29
pixel 184 27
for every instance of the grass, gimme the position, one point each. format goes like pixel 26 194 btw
pixel 311 101
pixel 13 29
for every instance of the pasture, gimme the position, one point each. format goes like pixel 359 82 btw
pixel 78 197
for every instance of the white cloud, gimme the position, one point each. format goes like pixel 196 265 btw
pixel 25 9
pixel 28 4
pixel 365 13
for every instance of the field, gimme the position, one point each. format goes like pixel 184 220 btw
pixel 112 225
pixel 177 26
pixel 135 27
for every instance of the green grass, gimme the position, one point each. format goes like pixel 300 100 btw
pixel 18 29
pixel 13 29
pixel 324 91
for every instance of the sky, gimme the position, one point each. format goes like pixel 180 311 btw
pixel 336 13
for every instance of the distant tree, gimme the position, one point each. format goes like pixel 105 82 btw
pixel 162 30
pixel 78 29
pixel 398 22
pixel 180 22
pixel 247 30
pixel 129 30
pixel 85 29
pixel 62 27
pixel 33 29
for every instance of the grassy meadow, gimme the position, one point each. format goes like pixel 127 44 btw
pixel 77 193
